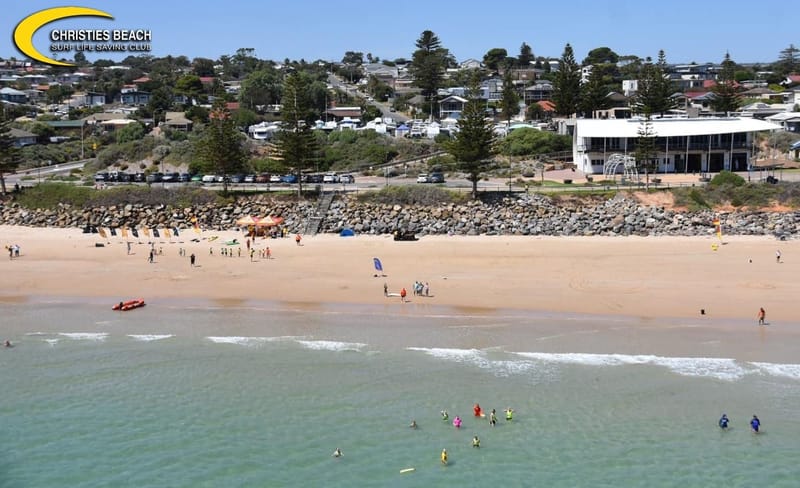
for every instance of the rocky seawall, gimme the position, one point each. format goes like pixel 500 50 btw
pixel 521 215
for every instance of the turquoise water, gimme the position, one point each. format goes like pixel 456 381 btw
pixel 189 396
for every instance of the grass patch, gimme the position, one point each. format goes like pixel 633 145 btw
pixel 50 195
pixel 413 195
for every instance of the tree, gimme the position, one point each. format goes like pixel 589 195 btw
pixel 787 60
pixel 495 58
pixel 189 86
pixel 594 94
pixel 203 67
pixel 80 59
pixel 474 143
pixel 353 57
pixel 567 84
pixel 509 105
pixel 654 90
pixel 601 55
pixel 131 132
pixel 646 148
pixel 428 64
pixel 525 56
pixel 222 146
pixel 9 153
pixel 262 87
pixel 726 99
pixel 296 141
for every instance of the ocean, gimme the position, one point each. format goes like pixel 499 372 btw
pixel 195 394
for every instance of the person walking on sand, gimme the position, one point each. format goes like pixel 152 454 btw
pixel 192 259
pixel 267 253
pixel 778 256
pixel 761 316
pixel 403 295
pixel 150 257
pixel 385 290
pixel 297 239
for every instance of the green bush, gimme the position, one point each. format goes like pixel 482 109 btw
pixel 50 195
pixel 529 142
pixel 727 178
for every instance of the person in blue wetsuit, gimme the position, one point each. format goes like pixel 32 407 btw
pixel 755 424
pixel 723 421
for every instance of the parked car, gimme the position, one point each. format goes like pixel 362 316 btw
pixel 169 177
pixel 314 178
pixel 289 179
pixel 198 178
pixel 275 179
pixel 436 178
pixel 184 177
pixel 209 179
pixel 262 178
pixel 237 179
pixel 139 177
pixel 155 177
pixel 330 178
pixel 250 178
pixel 101 176
pixel 423 178
pixel 347 178
pixel 124 177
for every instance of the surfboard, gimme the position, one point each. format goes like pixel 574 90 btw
pixel 408 470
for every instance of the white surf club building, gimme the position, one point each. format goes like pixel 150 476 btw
pixel 683 145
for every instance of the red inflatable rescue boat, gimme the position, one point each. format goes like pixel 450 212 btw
pixel 129 305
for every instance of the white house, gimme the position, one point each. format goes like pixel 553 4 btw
pixel 683 145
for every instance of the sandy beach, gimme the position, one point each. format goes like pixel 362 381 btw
pixel 632 276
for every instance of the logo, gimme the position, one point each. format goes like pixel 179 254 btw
pixel 66 40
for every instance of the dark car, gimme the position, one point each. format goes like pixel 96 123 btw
pixel 184 177
pixel 250 179
pixel 168 177
pixel 155 177
pixel 237 179
pixel 262 178
pixel 101 176
pixel 139 178
pixel 316 178
pixel 289 179
pixel 124 177
pixel 436 178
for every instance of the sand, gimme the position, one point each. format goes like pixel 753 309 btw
pixel 631 276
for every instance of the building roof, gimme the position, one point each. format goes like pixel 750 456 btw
pixel 19 133
pixel 677 127
pixel 10 91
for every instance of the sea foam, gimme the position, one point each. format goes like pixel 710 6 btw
pixel 785 370
pixel 85 336
pixel 150 337
pixel 720 368
pixel 238 340
pixel 332 345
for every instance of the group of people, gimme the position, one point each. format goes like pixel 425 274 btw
pixel 13 251
pixel 477 411
pixel 421 290
pixel 755 423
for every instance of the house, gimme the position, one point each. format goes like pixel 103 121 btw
pixel 451 107
pixel 23 138
pixel 134 98
pixel 340 113
pixel 177 121
pixel 683 145
pixel 761 110
pixel 619 107
pixel 87 99
pixel 789 121
pixel 540 90
pixel 11 95
pixel 381 72
pixel 470 64
pixel 492 90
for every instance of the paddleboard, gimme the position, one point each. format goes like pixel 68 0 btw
pixel 408 470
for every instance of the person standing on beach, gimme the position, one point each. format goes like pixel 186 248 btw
pixel 403 295
pixel 129 247
pixel 761 316
pixel 297 239
pixel 267 253
pixel 150 257
pixel 385 289
pixel 191 260
pixel 778 256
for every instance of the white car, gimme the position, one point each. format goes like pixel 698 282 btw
pixel 209 178
pixel 422 178
pixel 330 178
pixel 275 179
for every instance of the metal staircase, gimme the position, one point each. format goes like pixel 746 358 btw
pixel 323 205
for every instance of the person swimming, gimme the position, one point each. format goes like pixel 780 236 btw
pixel 444 456
pixel 723 421
pixel 509 414
pixel 477 410
pixel 457 422
pixel 445 416
pixel 337 453
pixel 476 442
pixel 493 418
pixel 7 343
pixel 755 424
pixel 413 424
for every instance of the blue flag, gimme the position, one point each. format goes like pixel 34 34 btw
pixel 378 266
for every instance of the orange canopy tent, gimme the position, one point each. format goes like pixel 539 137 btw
pixel 246 220
pixel 269 221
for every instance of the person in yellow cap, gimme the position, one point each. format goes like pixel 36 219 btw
pixel 476 442
pixel 444 456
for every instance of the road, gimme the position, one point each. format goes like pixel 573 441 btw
pixel 353 91
pixel 30 177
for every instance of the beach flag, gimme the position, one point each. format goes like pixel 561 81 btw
pixel 175 231
pixel 167 234
pixel 146 232
pixel 113 231
pixel 378 265
pixel 155 233
pixel 718 228
pixel 196 225
pixel 135 232
pixel 125 232
pixel 102 232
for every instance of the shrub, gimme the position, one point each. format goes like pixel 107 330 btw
pixel 413 194
pixel 727 178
